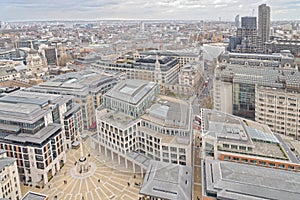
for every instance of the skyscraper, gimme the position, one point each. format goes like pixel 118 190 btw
pixel 237 21
pixel 263 24
pixel 248 35
pixel 249 22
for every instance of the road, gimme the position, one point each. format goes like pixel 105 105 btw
pixel 204 92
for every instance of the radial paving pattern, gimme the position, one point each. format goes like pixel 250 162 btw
pixel 108 181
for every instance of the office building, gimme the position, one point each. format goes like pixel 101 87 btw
pixel 9 183
pixel 233 42
pixel 234 139
pixel 227 180
pixel 263 24
pixel 281 44
pixel 51 55
pixel 248 35
pixel 85 86
pixel 33 132
pixel 282 59
pixel 184 56
pixel 268 95
pixel 245 40
pixel 15 55
pixel 151 68
pixel 237 21
pixel 177 72
pixel 136 125
pixel 278 108
pixel 167 181
pixel 249 23
pixel 190 79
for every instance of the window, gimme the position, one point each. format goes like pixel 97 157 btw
pixel 253 162
pixel 234 146
pixel 181 150
pixel 225 145
pixel 242 148
pixel 244 160
pixel 262 163
pixel 291 168
pixel 235 159
pixel 174 149
pixel 281 166
pixel 227 157
pixel 250 149
pixel 272 165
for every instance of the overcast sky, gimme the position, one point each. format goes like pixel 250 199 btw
pixel 17 10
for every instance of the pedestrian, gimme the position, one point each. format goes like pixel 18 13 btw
pixel 99 180
pixel 128 184
pixel 134 176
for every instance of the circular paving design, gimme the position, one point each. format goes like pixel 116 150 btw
pixel 105 180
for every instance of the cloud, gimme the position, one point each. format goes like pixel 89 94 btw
pixel 14 10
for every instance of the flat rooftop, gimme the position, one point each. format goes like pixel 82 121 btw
pixel 262 76
pixel 131 91
pixel 115 118
pixel 76 83
pixel 167 181
pixel 28 107
pixel 37 138
pixel 7 161
pixel 169 112
pixel 140 158
pixel 34 196
pixel 230 180
pixel 230 129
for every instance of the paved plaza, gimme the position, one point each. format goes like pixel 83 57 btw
pixel 106 180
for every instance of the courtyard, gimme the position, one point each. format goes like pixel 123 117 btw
pixel 107 180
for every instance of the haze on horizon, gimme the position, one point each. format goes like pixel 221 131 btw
pixel 35 10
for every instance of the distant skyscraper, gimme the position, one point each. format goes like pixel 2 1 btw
pixel 237 21
pixel 249 22
pixel 142 26
pixel 263 24
pixel 248 35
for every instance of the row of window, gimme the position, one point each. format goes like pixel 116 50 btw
pixel 263 163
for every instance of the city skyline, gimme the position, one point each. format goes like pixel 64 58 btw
pixel 30 10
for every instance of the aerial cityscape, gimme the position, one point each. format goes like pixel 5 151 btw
pixel 142 100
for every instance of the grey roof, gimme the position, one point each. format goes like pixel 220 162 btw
pixel 225 127
pixel 230 129
pixel 37 138
pixel 230 180
pixel 173 113
pixel 261 136
pixel 262 76
pixel 139 158
pixel 34 196
pixel 7 161
pixel 28 107
pixel 76 83
pixel 131 91
pixel 167 181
